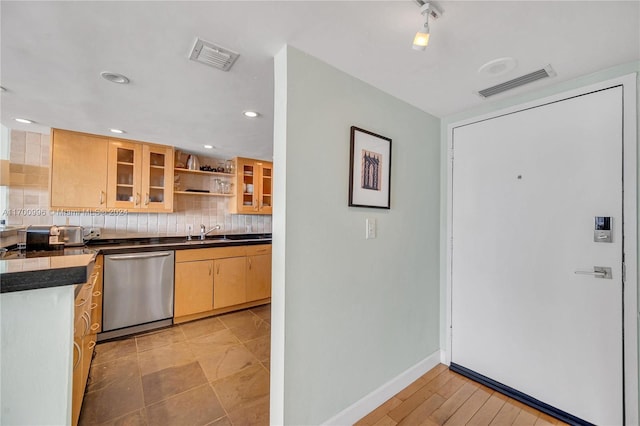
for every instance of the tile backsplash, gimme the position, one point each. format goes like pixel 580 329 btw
pixel 28 201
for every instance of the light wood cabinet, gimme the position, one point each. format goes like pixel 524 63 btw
pixel 78 174
pixel 258 272
pixel 96 172
pixel 140 176
pixel 254 187
pixel 87 324
pixel 96 300
pixel 209 281
pixel 193 287
pixel 229 282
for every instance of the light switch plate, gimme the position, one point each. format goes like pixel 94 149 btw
pixel 371 228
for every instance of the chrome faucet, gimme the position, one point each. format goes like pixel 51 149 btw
pixel 204 232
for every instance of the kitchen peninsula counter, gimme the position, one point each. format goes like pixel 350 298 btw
pixel 28 272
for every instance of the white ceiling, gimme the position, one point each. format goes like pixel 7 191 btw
pixel 53 52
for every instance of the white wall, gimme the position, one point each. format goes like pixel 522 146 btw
pixel 36 356
pixel 357 312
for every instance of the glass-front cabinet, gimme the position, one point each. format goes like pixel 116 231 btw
pixel 140 177
pixel 157 178
pixel 254 187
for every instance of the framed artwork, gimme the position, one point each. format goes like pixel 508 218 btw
pixel 370 170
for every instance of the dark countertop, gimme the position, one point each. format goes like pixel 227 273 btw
pixel 46 269
pixel 35 270
pixel 146 244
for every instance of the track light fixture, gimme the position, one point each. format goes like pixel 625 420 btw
pixel 421 40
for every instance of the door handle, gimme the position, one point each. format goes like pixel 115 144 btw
pixel 101 197
pixel 598 272
pixel 146 200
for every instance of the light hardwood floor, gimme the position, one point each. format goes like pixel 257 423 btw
pixel 442 397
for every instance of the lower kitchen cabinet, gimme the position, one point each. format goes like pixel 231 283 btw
pixel 258 272
pixel 209 281
pixel 193 287
pixel 87 322
pixel 229 282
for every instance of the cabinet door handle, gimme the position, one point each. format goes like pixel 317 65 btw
pixel 210 267
pixel 249 263
pixel 146 200
pixel 137 198
pixel 76 346
pixel 218 270
pixel 101 197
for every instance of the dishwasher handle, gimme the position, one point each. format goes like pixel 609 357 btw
pixel 140 256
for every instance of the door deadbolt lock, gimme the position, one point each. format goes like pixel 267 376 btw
pixel 602 229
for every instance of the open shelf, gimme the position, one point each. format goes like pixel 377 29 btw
pixel 201 172
pixel 211 194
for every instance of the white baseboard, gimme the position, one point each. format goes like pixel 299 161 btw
pixel 373 400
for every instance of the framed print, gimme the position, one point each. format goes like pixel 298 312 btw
pixel 370 170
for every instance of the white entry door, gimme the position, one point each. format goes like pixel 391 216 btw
pixel 526 189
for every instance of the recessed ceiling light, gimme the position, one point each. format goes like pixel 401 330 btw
pixel 24 120
pixel 118 131
pixel 251 114
pixel 114 77
pixel 209 146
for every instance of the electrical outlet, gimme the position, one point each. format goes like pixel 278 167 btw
pixel 371 228
pixel 92 233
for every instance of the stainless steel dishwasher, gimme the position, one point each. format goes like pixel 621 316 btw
pixel 137 292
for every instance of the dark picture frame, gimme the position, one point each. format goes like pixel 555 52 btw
pixel 369 170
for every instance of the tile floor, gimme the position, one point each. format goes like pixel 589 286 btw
pixel 213 371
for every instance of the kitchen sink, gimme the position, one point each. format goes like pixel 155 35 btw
pixel 208 241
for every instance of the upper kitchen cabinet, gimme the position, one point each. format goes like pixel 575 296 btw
pixel 254 187
pixel 140 176
pixel 78 170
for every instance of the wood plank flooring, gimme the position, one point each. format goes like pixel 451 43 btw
pixel 442 397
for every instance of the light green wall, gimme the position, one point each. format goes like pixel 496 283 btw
pixel 607 74
pixel 357 312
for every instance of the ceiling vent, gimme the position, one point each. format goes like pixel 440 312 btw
pixel 545 72
pixel 213 55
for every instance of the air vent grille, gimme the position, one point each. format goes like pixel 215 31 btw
pixel 213 55
pixel 545 72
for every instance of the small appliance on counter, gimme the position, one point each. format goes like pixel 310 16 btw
pixel 71 236
pixel 43 237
